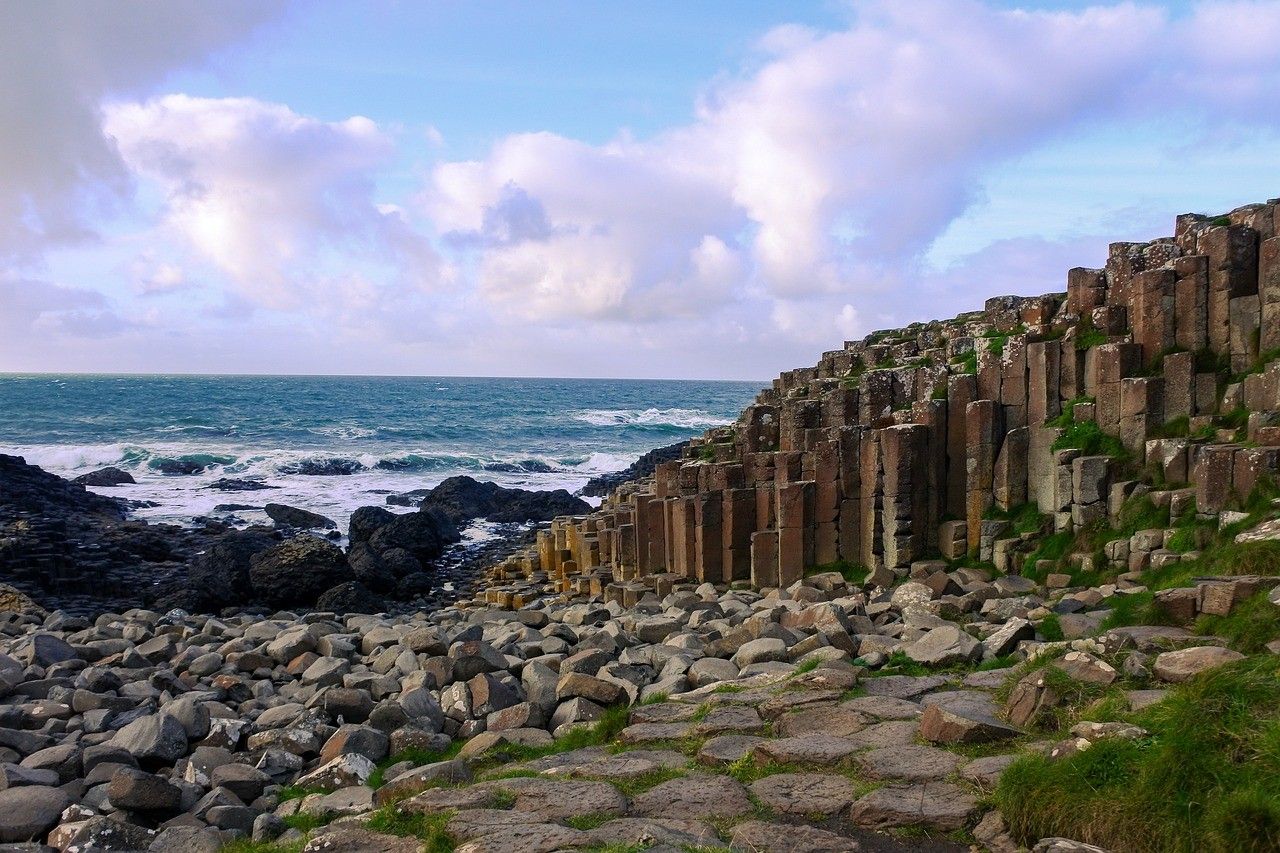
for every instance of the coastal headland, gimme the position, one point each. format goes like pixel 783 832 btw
pixel 1006 581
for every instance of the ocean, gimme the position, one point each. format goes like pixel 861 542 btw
pixel 384 434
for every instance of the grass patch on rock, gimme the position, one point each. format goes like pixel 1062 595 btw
pixel 1206 779
pixel 429 828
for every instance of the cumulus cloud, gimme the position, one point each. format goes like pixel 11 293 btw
pixel 59 59
pixel 274 199
pixel 818 179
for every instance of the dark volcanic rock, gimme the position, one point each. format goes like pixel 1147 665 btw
pixel 221 573
pixel 351 597
pixel 424 534
pixel 367 519
pixel 463 498
pixel 109 476
pixel 323 467
pixel 531 466
pixel 296 572
pixel 598 487
pixel 299 519
pixel 31 490
pixel 177 467
pixel 232 484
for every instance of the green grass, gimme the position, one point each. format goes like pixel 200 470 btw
pixel 854 574
pixel 430 828
pixel 968 361
pixel 1025 518
pixel 807 666
pixel 296 792
pixel 635 785
pixel 655 699
pixel 304 823
pixel 1054 547
pixel 1252 624
pixel 1089 439
pixel 587 822
pixel 1136 609
pixel 1051 628
pixel 747 770
pixel 1206 779
pixel 1089 336
pixel 1178 427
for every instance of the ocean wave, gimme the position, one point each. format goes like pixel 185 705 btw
pixel 681 418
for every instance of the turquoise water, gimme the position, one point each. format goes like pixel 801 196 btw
pixel 392 433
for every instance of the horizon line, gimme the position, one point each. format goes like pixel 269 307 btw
pixel 12 373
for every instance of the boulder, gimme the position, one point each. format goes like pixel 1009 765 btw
pixel 29 812
pixel 461 499
pixel 109 476
pixel 221 573
pixel 1185 664
pixel 297 572
pixel 944 645
pixel 298 519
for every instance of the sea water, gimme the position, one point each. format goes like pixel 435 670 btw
pixel 392 434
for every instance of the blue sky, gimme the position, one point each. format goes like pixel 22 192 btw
pixel 590 189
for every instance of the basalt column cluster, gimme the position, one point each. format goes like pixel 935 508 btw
pixel 916 443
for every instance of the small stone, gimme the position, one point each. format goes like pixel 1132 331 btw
pixel 1185 664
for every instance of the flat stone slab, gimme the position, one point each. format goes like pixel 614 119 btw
pixel 527 838
pixel 755 836
pixel 1185 664
pixel 624 765
pixel 986 772
pixel 446 799
pixel 990 679
pixel 888 733
pixel 654 732
pixel 933 805
pixel 817 749
pixel 742 719
pixel 629 831
pixel 909 763
pixel 556 799
pixel 804 793
pixel 942 724
pixel 473 823
pixel 697 796
pixel 884 707
pixel 344 838
pixel 794 700
pixel 663 712
pixel 828 719
pixel 963 701
pixel 575 757
pixel 903 686
pixel 727 749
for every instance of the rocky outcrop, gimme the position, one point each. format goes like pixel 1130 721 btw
pixel 461 499
pixel 1154 373
pixel 109 476
pixel 645 466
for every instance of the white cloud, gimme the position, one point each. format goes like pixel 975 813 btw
pixel 281 203
pixel 818 180
pixel 58 60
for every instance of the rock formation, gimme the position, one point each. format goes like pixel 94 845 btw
pixel 1156 371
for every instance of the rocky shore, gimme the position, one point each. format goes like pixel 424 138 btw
pixel 1005 582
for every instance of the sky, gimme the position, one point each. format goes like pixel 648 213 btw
pixel 717 190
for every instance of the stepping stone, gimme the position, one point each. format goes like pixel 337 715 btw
pixel 625 765
pixel 654 732
pixel 890 733
pixel 804 793
pixel 664 712
pixel 794 700
pixel 697 796
pixel 818 749
pixel 991 679
pixel 909 763
pixel 474 823
pixel 528 838
pixel 1185 664
pixel 884 707
pixel 948 725
pixel 573 758
pixel 345 838
pixel 986 772
pixel 963 701
pixel 554 799
pixel 933 805
pixel 727 749
pixel 903 686
pixel 731 718
pixel 446 799
pixel 829 719
pixel 1148 638
pixel 1082 666
pixel 755 836
pixel 636 831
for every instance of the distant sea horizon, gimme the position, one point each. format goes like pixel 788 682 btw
pixel 368 436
